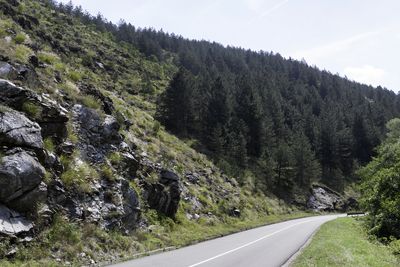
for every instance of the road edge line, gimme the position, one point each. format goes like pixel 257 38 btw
pixel 291 259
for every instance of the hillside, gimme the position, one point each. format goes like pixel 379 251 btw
pixel 116 140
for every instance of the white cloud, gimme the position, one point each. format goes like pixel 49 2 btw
pixel 274 8
pixel 257 6
pixel 328 50
pixel 366 74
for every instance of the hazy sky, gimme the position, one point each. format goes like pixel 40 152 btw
pixel 356 38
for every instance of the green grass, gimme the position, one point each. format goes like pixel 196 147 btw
pixel 79 176
pixel 344 242
pixel 20 38
pixel 33 110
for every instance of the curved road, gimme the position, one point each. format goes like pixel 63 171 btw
pixel 271 245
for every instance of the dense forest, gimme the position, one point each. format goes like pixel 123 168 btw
pixel 288 123
pixel 380 186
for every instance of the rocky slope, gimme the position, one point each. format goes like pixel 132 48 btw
pixel 81 157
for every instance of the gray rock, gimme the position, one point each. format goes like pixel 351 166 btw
pixel 18 130
pixel 128 165
pixel 52 117
pixel 28 201
pixel 98 136
pixel 20 173
pixel 12 223
pixel 7 71
pixel 167 176
pixel 324 199
pixel 193 177
pixel 131 206
pixel 165 195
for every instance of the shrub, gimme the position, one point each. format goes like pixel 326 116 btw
pixel 395 246
pixel 47 58
pixel 107 173
pixel 156 127
pixel 115 158
pixel 91 102
pixel 22 53
pixel 20 38
pixel 49 144
pixel 32 110
pixel 79 176
pixel 75 76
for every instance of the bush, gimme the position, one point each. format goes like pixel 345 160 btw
pixel 20 38
pixel 79 176
pixel 47 58
pixel 49 144
pixel 115 158
pixel 107 173
pixel 32 110
pixel 380 186
pixel 91 102
pixel 22 53
pixel 75 76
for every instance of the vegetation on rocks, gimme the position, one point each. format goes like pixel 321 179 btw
pixel 140 139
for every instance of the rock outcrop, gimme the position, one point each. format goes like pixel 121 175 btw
pixel 98 136
pixel 51 116
pixel 18 130
pixel 20 180
pixel 324 199
pixel 164 196
pixel 13 223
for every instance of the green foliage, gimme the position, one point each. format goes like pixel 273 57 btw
pixel 79 175
pixel 115 158
pixel 49 144
pixel 20 38
pixel 380 186
pixel 33 110
pixel 91 102
pixel 75 76
pixel 47 57
pixel 63 230
pixel 48 177
pixel 108 173
pixel 395 246
pixel 22 53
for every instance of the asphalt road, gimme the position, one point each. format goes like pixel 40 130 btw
pixel 271 245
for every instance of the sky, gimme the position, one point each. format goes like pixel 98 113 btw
pixel 358 39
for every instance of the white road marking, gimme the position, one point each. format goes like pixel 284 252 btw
pixel 248 244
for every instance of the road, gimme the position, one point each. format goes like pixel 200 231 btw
pixel 271 245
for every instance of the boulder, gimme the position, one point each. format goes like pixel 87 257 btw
pixel 165 195
pixel 193 177
pixel 20 174
pixel 324 199
pixel 12 223
pixel 7 71
pixel 52 117
pixel 129 165
pixel 131 206
pixel 98 136
pixel 28 201
pixel 18 130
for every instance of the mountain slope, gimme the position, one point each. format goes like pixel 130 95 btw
pixel 84 112
pixel 98 178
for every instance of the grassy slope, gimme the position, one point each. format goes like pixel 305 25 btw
pixel 133 84
pixel 344 242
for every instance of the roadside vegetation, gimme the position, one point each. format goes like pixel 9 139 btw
pixel 345 242
pixel 68 240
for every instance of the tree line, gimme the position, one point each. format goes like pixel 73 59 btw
pixel 288 123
